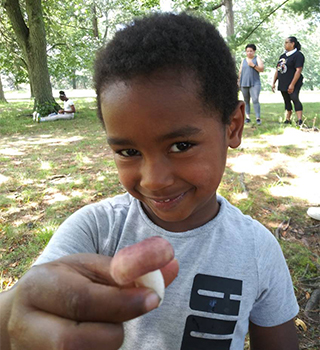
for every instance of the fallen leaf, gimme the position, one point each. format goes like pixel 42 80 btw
pixel 301 325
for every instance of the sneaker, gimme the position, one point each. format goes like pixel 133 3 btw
pixel 247 121
pixel 258 122
pixel 34 116
pixel 299 122
pixel 287 121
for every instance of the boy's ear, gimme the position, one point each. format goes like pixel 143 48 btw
pixel 234 130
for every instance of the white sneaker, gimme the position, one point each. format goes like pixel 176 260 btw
pixel 314 213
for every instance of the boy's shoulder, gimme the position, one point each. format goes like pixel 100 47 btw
pixel 112 206
pixel 121 200
pixel 230 218
pixel 230 224
pixel 243 227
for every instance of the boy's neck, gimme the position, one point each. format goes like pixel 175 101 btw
pixel 188 224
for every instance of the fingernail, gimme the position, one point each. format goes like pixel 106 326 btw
pixel 152 301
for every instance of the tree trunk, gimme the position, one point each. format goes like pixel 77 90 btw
pixel 32 41
pixel 74 80
pixel 94 21
pixel 107 27
pixel 106 10
pixel 2 98
pixel 229 18
pixel 30 83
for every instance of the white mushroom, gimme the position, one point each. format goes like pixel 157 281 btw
pixel 153 280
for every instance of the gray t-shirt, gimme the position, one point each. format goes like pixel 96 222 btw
pixel 231 270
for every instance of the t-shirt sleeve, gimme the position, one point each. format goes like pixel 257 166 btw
pixel 275 303
pixel 299 61
pixel 85 231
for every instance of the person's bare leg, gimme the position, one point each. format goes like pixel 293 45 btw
pixel 288 115
pixel 299 114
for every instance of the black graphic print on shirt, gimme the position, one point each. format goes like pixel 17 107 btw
pixel 211 294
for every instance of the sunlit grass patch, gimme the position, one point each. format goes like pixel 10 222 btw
pixel 245 205
pixel 6 200
pixel 315 157
pixel 292 150
pixel 23 245
pixel 300 261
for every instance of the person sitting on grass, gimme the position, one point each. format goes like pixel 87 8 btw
pixel 66 113
pixel 168 99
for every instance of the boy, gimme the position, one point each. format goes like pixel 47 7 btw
pixel 167 96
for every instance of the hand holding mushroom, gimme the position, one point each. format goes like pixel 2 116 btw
pixel 79 299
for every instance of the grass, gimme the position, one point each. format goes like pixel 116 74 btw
pixel 49 170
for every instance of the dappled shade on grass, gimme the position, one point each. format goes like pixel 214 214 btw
pixel 49 170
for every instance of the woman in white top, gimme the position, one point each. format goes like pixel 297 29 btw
pixel 66 113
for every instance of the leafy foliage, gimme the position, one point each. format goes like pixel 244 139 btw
pixel 46 108
pixel 308 8
pixel 75 30
pixel 12 63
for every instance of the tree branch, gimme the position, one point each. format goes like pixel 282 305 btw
pixel 54 45
pixel 18 24
pixel 259 24
pixel 69 25
pixel 6 37
pixel 218 6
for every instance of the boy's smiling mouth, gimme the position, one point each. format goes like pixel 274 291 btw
pixel 168 200
pixel 165 203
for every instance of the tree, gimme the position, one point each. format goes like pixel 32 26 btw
pixel 2 98
pixel 32 42
pixel 229 17
pixel 75 31
pixel 12 64
pixel 263 23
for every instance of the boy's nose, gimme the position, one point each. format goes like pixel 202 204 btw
pixel 156 175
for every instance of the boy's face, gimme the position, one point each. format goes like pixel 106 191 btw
pixel 169 151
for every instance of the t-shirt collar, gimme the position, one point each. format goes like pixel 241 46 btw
pixel 289 53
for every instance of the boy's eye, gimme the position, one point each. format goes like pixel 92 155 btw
pixel 129 152
pixel 180 147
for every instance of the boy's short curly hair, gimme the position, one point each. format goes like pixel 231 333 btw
pixel 170 41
